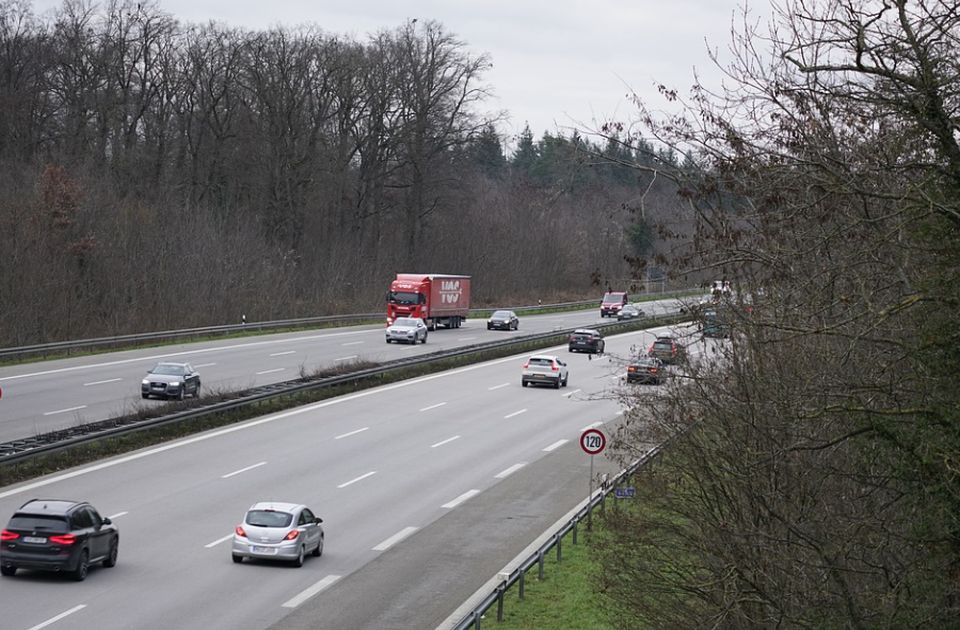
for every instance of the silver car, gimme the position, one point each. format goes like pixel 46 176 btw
pixel 278 531
pixel 171 380
pixel 407 329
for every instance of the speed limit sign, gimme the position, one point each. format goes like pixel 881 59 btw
pixel 593 441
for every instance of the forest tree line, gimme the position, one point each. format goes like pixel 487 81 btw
pixel 161 175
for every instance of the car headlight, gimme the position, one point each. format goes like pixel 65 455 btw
pixel 145 381
pixel 174 384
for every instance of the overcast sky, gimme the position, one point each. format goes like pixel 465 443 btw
pixel 557 64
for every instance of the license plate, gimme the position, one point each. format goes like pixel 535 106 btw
pixel 263 550
pixel 34 539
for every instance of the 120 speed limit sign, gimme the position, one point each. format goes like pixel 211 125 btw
pixel 593 441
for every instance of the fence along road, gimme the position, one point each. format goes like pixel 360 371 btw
pixel 52 395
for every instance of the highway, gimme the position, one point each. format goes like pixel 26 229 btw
pixel 378 466
pixel 51 395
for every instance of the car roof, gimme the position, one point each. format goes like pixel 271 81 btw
pixel 502 310
pixel 586 331
pixel 171 363
pixel 277 506
pixel 48 506
pixel 666 337
pixel 549 357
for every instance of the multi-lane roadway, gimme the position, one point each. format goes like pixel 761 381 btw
pixel 52 395
pixel 379 466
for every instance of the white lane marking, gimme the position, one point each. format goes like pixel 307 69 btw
pixel 390 542
pixel 555 445
pixel 184 353
pixel 307 593
pixel 109 380
pixel 343 435
pixel 361 477
pixel 591 426
pixel 280 354
pixel 433 406
pixel 352 356
pixel 465 338
pixel 570 393
pixel 58 617
pixel 50 413
pixel 117 515
pixel 515 413
pixel 243 470
pixel 463 497
pixel 352 343
pixel 218 541
pixel 202 365
pixel 249 425
pixel 446 441
pixel 503 474
pixel 497 386
pixel 270 371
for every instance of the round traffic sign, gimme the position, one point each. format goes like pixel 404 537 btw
pixel 593 441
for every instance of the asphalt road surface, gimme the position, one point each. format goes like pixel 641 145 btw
pixel 380 466
pixel 51 395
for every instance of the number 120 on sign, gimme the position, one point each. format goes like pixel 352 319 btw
pixel 593 441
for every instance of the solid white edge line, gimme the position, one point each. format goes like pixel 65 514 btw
pixel 109 380
pixel 307 593
pixel 117 515
pixel 490 389
pixel 203 365
pixel 483 591
pixel 515 413
pixel 270 371
pixel 50 413
pixel 390 542
pixel 242 470
pixel 433 406
pixel 555 445
pixel 360 478
pixel 352 343
pixel 343 435
pixel 503 474
pixel 570 393
pixel 446 441
pixel 352 356
pixel 58 617
pixel 463 497
pixel 591 426
pixel 218 541
pixel 254 423
pixel 280 354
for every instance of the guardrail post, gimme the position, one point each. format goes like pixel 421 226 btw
pixel 575 532
pixel 540 562
pixel 559 546
pixel 500 590
pixel 523 574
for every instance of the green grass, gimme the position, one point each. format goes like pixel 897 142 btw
pixel 566 598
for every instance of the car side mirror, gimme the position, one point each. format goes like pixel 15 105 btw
pixel 106 521
pixel 318 520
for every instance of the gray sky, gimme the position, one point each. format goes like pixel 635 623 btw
pixel 556 63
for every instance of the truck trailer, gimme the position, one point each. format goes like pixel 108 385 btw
pixel 438 299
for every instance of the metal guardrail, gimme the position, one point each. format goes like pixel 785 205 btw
pixel 518 575
pixel 226 329
pixel 21 449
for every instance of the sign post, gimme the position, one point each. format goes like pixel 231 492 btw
pixel 592 441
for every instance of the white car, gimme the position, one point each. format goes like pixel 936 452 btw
pixel 278 531
pixel 408 330
pixel 546 369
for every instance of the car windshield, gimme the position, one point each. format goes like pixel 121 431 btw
pixel 403 297
pixel 612 299
pixel 406 322
pixel 501 315
pixel 38 523
pixel 167 368
pixel 269 518
pixel 665 344
pixel 546 362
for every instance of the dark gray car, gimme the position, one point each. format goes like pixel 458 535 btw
pixel 170 380
pixel 503 320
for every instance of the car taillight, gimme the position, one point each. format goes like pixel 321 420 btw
pixel 8 535
pixel 554 368
pixel 526 365
pixel 292 535
pixel 239 532
pixel 653 370
pixel 66 539
pixel 632 368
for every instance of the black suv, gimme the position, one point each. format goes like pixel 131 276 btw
pixel 586 339
pixel 57 535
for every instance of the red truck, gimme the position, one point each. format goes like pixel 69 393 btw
pixel 438 299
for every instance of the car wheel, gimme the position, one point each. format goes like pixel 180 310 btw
pixel 80 573
pixel 237 559
pixel 298 561
pixel 319 550
pixel 388 341
pixel 424 338
pixel 8 570
pixel 196 392
pixel 566 380
pixel 182 392
pixel 144 396
pixel 556 385
pixel 111 559
pixel 516 326
pixel 525 383
pixel 489 327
